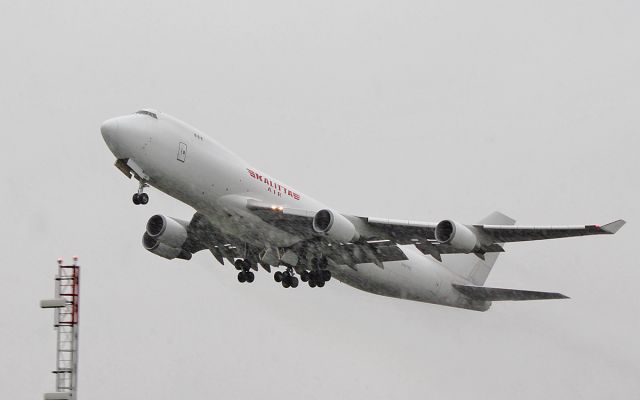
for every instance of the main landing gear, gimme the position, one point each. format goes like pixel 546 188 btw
pixel 141 197
pixel 316 277
pixel 318 274
pixel 286 278
pixel 245 274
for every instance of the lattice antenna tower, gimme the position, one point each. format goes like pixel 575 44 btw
pixel 66 305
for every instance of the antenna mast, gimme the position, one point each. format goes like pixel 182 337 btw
pixel 66 305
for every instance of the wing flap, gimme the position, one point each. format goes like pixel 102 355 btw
pixel 374 252
pixel 497 294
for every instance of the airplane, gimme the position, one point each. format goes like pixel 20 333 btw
pixel 251 219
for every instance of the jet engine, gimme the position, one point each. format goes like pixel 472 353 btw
pixel 335 225
pixel 456 235
pixel 165 237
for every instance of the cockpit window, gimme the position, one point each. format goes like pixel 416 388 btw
pixel 148 112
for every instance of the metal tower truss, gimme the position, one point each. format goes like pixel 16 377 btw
pixel 66 305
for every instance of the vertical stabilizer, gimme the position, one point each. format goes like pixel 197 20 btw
pixel 470 266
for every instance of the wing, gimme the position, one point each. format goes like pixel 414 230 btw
pixel 488 237
pixel 202 234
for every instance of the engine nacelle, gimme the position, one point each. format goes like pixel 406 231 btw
pixel 167 230
pixel 335 225
pixel 456 235
pixel 162 250
pixel 165 237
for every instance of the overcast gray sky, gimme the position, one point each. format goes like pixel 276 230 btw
pixel 406 109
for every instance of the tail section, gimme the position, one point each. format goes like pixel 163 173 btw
pixel 472 267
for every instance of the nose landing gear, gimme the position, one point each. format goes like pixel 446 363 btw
pixel 141 197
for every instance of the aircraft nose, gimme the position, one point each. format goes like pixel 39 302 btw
pixel 109 129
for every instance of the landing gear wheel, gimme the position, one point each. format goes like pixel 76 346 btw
pixel 242 277
pixel 277 276
pixel 326 275
pixel 320 283
pixel 294 282
pixel 285 283
pixel 140 197
pixel 312 283
pixel 239 264
pixel 249 276
pixel 304 276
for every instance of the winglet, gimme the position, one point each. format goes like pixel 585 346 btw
pixel 614 226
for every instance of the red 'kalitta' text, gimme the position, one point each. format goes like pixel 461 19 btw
pixel 273 186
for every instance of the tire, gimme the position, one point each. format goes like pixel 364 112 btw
pixel 250 276
pixel 320 283
pixel 241 277
pixel 326 275
pixel 285 283
pixel 238 264
pixel 294 282
pixel 277 276
pixel 312 283
pixel 136 199
pixel 246 264
pixel 304 276
pixel 144 198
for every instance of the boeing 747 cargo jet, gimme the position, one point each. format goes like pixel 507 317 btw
pixel 253 219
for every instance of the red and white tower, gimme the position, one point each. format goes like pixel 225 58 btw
pixel 66 305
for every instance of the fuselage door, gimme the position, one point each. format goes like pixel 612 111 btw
pixel 182 152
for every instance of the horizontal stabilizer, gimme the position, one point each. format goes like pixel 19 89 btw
pixel 496 294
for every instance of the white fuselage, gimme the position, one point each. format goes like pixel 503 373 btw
pixel 193 168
